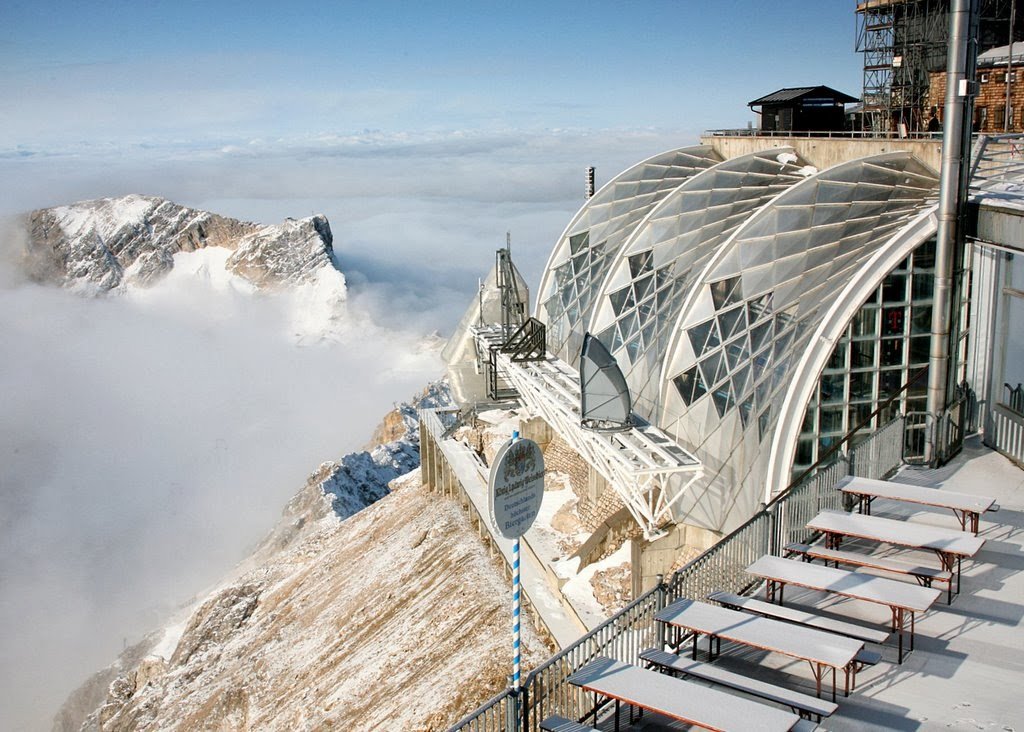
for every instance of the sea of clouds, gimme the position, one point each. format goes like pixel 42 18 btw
pixel 149 440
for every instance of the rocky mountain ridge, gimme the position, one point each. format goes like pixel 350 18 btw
pixel 108 244
pixel 370 606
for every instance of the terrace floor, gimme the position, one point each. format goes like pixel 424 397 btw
pixel 967 668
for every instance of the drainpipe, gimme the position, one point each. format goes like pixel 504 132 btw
pixel 1007 110
pixel 958 95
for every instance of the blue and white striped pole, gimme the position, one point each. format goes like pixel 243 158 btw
pixel 515 607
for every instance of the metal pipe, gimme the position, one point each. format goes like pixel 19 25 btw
pixel 958 94
pixel 1008 113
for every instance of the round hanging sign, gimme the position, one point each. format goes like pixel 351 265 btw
pixel 516 487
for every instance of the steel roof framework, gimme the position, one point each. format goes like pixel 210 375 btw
pixel 637 463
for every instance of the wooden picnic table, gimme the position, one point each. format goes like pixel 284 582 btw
pixel 902 599
pixel 677 698
pixel 949 545
pixel 966 507
pixel 820 649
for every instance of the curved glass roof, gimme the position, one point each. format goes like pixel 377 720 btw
pixel 750 312
pixel 707 281
pixel 592 241
pixel 646 286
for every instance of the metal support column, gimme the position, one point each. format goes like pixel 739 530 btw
pixel 962 43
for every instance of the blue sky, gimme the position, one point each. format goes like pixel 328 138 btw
pixel 424 131
pixel 78 73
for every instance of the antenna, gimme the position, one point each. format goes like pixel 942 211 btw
pixel 480 300
pixel 512 307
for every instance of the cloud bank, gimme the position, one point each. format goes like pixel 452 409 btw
pixel 148 441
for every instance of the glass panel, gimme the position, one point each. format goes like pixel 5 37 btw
pixel 805 452
pixel 892 321
pixel 921 319
pixel 640 263
pixel 894 289
pixel 861 386
pixel 864 322
pixel 808 425
pixel 725 292
pixel 763 422
pixel 736 353
pixel 709 368
pixel 699 336
pixel 924 256
pixel 862 354
pixel 831 420
pixel 745 409
pixel 731 321
pixel 858 413
pixel 923 287
pixel 690 386
pixel 760 334
pixel 618 300
pixel 633 349
pixel 578 242
pixel 919 347
pixel 889 382
pixel 643 287
pixel 892 352
pixel 721 399
pixel 838 358
pixel 832 388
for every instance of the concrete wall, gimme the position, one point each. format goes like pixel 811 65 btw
pixel 665 555
pixel 824 152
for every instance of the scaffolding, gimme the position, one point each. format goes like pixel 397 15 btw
pixel 904 42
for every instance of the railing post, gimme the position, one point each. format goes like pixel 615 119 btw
pixel 524 704
pixel 774 541
pixel 512 709
pixel 660 605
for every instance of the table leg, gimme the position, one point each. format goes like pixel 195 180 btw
pixel 694 654
pixel 616 716
pixel 816 672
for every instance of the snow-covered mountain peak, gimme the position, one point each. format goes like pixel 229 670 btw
pixel 131 241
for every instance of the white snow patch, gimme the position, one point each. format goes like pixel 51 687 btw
pixel 786 158
pixel 105 217
pixel 807 171
pixel 580 592
pixel 172 634
pixel 318 308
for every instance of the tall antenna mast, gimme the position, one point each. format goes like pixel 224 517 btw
pixel 512 309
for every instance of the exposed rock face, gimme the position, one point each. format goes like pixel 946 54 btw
pixel 110 243
pixel 351 616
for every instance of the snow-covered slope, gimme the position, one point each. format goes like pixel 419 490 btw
pixel 114 243
pixel 350 616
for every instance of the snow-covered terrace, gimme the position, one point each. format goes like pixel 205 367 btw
pixel 967 669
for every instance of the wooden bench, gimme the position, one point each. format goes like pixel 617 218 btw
pixel 555 723
pixel 803 704
pixel 922 573
pixel 799 617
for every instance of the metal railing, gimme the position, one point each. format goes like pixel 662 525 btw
pixel 998 159
pixel 781 521
pixel 622 637
pixel 835 134
pixel 935 441
pixel 1014 397
pixel 493 716
pixel 722 567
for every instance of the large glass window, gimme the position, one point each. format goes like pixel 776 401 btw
pixel 885 346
